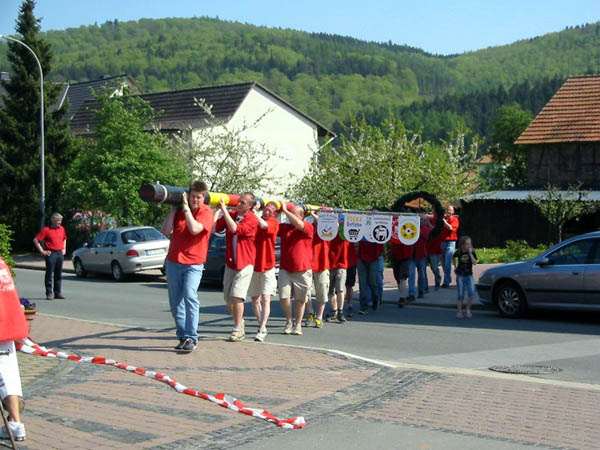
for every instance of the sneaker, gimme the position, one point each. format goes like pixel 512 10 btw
pixel 437 287
pixel 468 315
pixel 310 320
pixel 59 296
pixel 421 294
pixel 340 316
pixel 261 335
pixel 288 327
pixel 180 345
pixel 49 297
pixel 237 335
pixel 331 316
pixel 363 310
pixel 460 315
pixel 17 429
pixel 189 345
pixel 410 299
pixel 318 323
pixel 445 286
pixel 297 331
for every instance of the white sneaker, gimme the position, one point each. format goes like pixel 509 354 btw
pixel 288 327
pixel 17 430
pixel 237 335
pixel 261 335
pixel 297 331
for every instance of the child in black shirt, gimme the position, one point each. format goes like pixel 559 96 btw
pixel 464 260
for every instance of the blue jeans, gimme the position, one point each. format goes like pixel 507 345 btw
pixel 183 281
pixel 370 281
pixel 53 275
pixel 434 264
pixel 465 283
pixel 417 275
pixel 448 248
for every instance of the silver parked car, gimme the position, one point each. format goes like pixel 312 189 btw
pixel 122 251
pixel 566 276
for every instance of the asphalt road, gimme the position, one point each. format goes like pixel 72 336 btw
pixel 416 335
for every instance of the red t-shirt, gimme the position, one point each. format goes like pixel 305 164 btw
pixel 400 251
pixel 320 249
pixel 451 235
pixel 265 246
pixel 185 247
pixel 369 251
pixel 296 247
pixel 53 237
pixel 342 254
pixel 241 245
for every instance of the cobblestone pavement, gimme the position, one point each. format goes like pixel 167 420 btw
pixel 72 406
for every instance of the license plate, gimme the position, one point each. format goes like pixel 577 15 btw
pixel 155 251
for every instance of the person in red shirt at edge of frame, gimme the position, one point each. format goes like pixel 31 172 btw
pixel 189 228
pixel 342 258
pixel 264 282
pixel 240 253
pixel 51 242
pixel 370 275
pixel 449 238
pixel 320 277
pixel 295 274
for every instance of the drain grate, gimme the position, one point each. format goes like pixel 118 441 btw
pixel 526 369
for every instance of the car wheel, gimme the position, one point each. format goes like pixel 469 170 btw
pixel 80 272
pixel 510 300
pixel 117 271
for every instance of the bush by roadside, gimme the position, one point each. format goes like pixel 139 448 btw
pixel 514 251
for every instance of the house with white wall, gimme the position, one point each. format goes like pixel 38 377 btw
pixel 264 118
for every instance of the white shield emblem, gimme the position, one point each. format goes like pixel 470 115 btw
pixel 328 226
pixel 380 230
pixel 353 227
pixel 408 229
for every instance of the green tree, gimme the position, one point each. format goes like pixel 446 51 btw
pixel 510 121
pixel 373 166
pixel 559 207
pixel 20 132
pixel 110 169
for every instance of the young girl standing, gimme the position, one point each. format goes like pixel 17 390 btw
pixel 464 260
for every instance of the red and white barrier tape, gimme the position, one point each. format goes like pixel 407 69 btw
pixel 224 400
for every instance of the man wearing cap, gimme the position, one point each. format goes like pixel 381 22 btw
pixel 51 242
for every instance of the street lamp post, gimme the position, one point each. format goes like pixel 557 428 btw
pixel 42 151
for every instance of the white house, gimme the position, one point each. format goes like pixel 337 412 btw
pixel 292 135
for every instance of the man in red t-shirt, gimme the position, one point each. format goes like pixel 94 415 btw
pixel 342 257
pixel 370 275
pixel 449 238
pixel 51 242
pixel 189 228
pixel 240 254
pixel 264 282
pixel 295 274
pixel 320 273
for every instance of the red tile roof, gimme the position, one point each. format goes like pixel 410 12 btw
pixel 571 115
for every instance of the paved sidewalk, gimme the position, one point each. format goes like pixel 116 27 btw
pixel 71 406
pixel 441 298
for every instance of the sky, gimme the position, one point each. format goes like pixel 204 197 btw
pixel 436 26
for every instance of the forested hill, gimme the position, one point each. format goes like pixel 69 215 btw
pixel 330 77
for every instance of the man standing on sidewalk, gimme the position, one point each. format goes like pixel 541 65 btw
pixel 51 242
pixel 449 238
pixel 295 274
pixel 240 253
pixel 189 227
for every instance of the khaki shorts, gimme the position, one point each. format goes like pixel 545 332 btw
pixel 236 282
pixel 263 283
pixel 337 283
pixel 321 286
pixel 298 283
pixel 10 379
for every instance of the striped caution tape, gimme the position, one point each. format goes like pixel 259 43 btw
pixel 223 400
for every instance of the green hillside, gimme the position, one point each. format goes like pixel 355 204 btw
pixel 330 77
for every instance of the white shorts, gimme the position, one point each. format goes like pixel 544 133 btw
pixel 337 282
pixel 10 379
pixel 298 283
pixel 236 282
pixel 321 286
pixel 263 283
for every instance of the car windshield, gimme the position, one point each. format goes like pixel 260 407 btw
pixel 141 235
